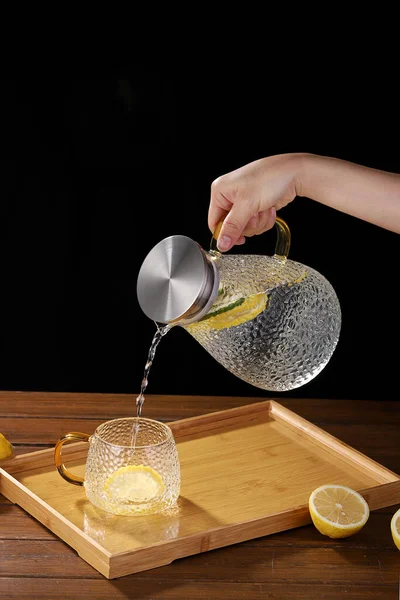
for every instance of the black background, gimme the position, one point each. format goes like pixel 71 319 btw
pixel 96 171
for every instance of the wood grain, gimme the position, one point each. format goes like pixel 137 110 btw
pixel 372 572
pixel 18 524
pixel 69 589
pixel 171 408
pixel 253 564
pixel 246 472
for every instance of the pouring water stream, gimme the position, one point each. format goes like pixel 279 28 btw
pixel 161 331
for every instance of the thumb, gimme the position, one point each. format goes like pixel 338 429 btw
pixel 233 226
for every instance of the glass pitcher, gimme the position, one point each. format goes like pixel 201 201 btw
pixel 270 321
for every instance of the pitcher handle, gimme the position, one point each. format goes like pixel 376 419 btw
pixel 283 239
pixel 74 436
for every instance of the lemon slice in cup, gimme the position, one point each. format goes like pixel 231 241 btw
pixel 134 484
pixel 395 528
pixel 337 511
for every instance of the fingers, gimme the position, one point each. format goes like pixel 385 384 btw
pixel 219 206
pixel 270 222
pixel 260 222
pixel 257 224
pixel 267 221
pixel 253 224
pixel 216 214
pixel 238 211
pixel 234 225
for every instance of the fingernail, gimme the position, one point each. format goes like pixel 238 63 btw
pixel 224 243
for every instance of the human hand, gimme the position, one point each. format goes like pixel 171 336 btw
pixel 247 199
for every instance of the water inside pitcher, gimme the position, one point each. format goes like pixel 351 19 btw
pixel 270 321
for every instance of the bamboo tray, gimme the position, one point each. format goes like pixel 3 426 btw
pixel 246 472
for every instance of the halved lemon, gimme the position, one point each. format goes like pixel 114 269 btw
pixel 395 528
pixel 337 511
pixel 134 484
pixel 235 313
pixel 6 449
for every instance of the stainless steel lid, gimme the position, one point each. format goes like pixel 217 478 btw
pixel 177 281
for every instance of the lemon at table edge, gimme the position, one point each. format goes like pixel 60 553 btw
pixel 6 448
pixel 333 529
pixel 395 530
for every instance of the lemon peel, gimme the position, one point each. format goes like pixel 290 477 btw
pixel 6 448
pixel 338 511
pixel 395 528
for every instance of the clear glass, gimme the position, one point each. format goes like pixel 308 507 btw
pixel 275 322
pixel 111 449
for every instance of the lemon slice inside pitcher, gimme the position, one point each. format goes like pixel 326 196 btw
pixel 235 313
pixel 136 484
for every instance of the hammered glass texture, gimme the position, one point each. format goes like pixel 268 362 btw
pixel 292 340
pixel 110 449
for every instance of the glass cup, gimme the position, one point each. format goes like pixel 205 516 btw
pixel 132 466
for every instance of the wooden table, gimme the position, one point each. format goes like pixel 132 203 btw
pixel 297 564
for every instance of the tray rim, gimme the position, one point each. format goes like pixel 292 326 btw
pixel 111 565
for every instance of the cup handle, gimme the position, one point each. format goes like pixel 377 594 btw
pixel 283 239
pixel 74 436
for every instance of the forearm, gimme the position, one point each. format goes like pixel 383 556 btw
pixel 363 192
